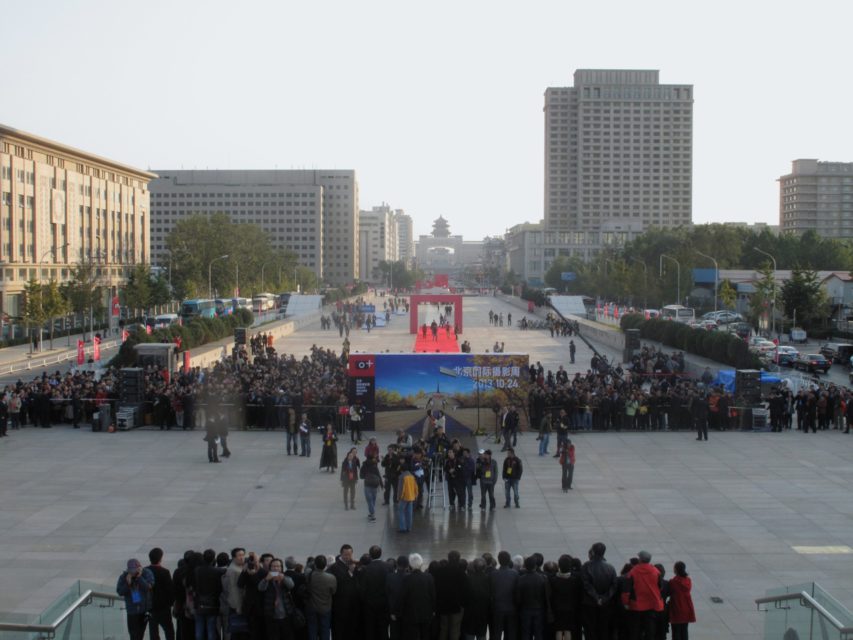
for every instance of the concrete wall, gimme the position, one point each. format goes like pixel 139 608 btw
pixel 209 354
pixel 608 336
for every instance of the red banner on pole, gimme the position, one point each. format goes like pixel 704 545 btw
pixel 81 354
pixel 186 361
pixel 116 307
pixel 96 349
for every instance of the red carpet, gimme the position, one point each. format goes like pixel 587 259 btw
pixel 446 342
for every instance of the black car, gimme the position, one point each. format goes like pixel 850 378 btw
pixel 812 362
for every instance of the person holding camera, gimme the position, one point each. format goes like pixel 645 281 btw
pixel 135 585
pixel 356 414
pixel 276 587
pixel 391 464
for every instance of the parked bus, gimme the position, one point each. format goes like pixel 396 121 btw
pixel 224 307
pixel 199 308
pixel 241 303
pixel 264 302
pixel 678 313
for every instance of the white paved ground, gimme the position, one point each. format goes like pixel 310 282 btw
pixel 77 505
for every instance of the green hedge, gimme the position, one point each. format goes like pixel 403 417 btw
pixel 720 346
pixel 199 332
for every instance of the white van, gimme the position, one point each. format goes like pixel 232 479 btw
pixel 166 320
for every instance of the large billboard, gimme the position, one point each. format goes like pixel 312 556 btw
pixel 397 390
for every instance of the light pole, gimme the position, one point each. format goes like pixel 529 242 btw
pixel 645 281
pixel 678 273
pixel 716 275
pixel 236 278
pixel 210 275
pixel 263 266
pixel 773 314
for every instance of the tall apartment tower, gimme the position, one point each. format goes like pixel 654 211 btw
pixel 405 236
pixel 377 230
pixel 817 196
pixel 618 157
pixel 312 213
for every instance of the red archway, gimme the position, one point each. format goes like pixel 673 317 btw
pixel 417 299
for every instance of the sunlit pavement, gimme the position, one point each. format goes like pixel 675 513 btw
pixel 77 505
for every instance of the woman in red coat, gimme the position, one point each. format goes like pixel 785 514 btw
pixel 681 611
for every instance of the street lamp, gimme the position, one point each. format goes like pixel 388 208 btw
pixel 773 314
pixel 645 281
pixel 716 275
pixel 210 275
pixel 263 266
pixel 678 272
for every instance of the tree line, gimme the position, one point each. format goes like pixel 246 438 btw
pixel 645 273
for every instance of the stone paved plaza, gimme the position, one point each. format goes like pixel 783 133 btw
pixel 77 505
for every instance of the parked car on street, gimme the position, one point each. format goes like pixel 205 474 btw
pixel 761 345
pixel 784 355
pixel 813 363
pixel 728 317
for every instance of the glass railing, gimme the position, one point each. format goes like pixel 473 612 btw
pixel 804 612
pixel 87 611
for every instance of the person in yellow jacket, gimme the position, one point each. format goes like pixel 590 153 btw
pixel 407 490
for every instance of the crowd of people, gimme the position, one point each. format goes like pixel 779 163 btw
pixel 259 596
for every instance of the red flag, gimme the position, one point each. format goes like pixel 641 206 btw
pixel 96 349
pixel 186 361
pixel 116 307
pixel 81 354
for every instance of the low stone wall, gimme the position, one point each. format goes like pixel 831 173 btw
pixel 515 301
pixel 209 354
pixel 608 336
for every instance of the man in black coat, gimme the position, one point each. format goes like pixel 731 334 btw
pixel 394 591
pixel 345 601
pixel 253 600
pixel 502 598
pixel 450 583
pixel 162 598
pixel 417 601
pixel 207 582
pixel 532 593
pixel 599 585
pixel 374 597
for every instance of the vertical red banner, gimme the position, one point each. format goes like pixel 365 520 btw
pixel 186 361
pixel 81 354
pixel 116 307
pixel 96 349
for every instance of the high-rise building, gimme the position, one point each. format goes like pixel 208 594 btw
pixel 377 231
pixel 405 237
pixel 60 207
pixel 312 213
pixel 817 196
pixel 618 157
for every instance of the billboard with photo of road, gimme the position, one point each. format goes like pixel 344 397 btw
pixel 465 386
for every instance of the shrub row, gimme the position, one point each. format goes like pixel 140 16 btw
pixel 720 346
pixel 199 332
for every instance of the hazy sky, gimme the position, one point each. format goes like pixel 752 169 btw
pixel 436 105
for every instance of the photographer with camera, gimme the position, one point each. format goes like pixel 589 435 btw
pixel 135 585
